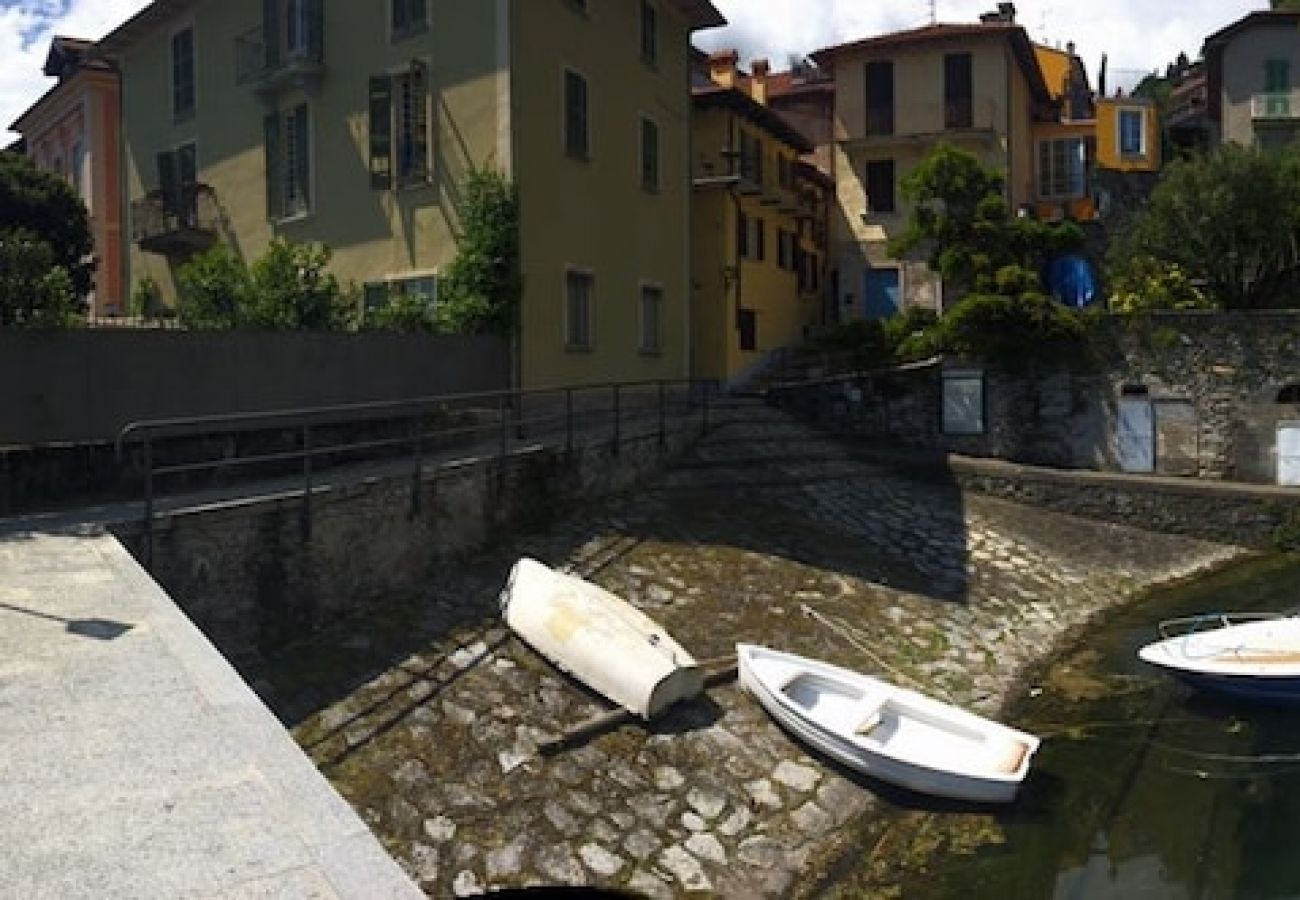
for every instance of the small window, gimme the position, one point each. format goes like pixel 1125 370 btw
pixel 1132 132
pixel 577 133
pixel 408 17
pixel 578 287
pixel 400 137
pixel 1062 168
pixel 963 401
pixel 880 98
pixel 742 235
pixel 652 301
pixel 183 74
pixel 880 186
pixel 649 155
pixel 421 288
pixel 760 239
pixel 747 326
pixel 578 5
pixel 649 33
pixel 288 163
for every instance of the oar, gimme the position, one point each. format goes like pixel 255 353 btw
pixel 723 669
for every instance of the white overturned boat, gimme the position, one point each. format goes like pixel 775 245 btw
pixel 1255 656
pixel 599 638
pixel 888 732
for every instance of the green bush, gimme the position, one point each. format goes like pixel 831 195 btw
pixel 1013 332
pixel 481 289
pixel 35 291
pixel 292 290
pixel 403 312
pixel 213 290
pixel 145 301
pixel 1145 283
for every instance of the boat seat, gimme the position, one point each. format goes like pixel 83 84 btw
pixel 869 713
pixel 1005 755
pixel 1274 657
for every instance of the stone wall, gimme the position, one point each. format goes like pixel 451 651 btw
pixel 1213 381
pixel 258 575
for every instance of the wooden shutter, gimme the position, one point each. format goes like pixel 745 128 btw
pixel 169 183
pixel 271 32
pixel 381 132
pixel 274 178
pixel 419 121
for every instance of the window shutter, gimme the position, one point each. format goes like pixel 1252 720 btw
pixel 274 197
pixel 416 13
pixel 169 183
pixel 381 132
pixel 301 161
pixel 271 32
pixel 419 120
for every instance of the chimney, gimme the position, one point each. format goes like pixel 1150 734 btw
pixel 722 67
pixel 1005 14
pixel 758 84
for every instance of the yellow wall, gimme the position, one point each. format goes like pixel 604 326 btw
pixel 1108 155
pixel 1055 66
pixel 593 214
pixel 374 234
pixel 722 283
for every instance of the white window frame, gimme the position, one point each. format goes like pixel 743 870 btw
pixel 1141 113
pixel 590 338
pixel 1069 194
pixel 398 284
pixel 653 347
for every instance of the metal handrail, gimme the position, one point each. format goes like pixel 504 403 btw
pixel 510 419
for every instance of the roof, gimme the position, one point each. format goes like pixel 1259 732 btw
pixel 65 50
pixel 700 13
pixel 944 31
pixel 738 101
pixel 1266 18
pixel 134 28
pixel 66 59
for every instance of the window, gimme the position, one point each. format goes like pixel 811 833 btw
pixel 760 239
pixel 958 107
pixel 579 5
pixel 1132 132
pixel 1277 88
pixel 420 288
pixel 963 401
pixel 652 301
pixel 747 325
pixel 785 249
pixel 785 171
pixel 408 17
pixel 649 155
pixel 288 163
pixel 183 73
pixel 178 174
pixel 577 131
pixel 399 129
pixel 79 171
pixel 880 186
pixel 649 33
pixel 578 289
pixel 1062 168
pixel 880 98
pixel 751 157
pixel 742 235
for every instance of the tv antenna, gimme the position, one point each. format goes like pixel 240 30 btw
pixel 934 11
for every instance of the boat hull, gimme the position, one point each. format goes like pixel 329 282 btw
pixel 599 639
pixel 921 731
pixel 1256 661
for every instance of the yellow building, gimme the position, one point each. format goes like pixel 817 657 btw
pixel 758 228
pixel 355 124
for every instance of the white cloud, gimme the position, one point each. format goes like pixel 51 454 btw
pixel 25 31
pixel 1138 37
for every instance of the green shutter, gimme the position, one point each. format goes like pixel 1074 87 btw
pixel 169 184
pixel 419 121
pixel 301 157
pixel 274 194
pixel 270 33
pixel 381 132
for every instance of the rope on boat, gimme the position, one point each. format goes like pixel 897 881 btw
pixel 859 638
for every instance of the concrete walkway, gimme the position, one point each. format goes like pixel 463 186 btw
pixel 134 761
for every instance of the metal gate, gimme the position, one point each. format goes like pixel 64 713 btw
pixel 1137 437
pixel 1288 453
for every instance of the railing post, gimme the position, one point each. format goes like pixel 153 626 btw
pixel 617 423
pixel 306 480
pixel 663 414
pixel 568 422
pixel 148 503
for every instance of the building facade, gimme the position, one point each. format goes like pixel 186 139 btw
pixel 758 228
pixel 356 125
pixel 1252 70
pixel 72 131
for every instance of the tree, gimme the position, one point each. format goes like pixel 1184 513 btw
pixel 291 289
pixel 481 290
pixel 1228 222
pixel 213 290
pixel 35 291
pixel 48 211
pixel 1286 4
pixel 960 214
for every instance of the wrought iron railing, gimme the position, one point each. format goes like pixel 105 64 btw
pixel 188 214
pixel 294 42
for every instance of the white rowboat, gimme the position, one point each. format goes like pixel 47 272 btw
pixel 599 638
pixel 887 732
pixel 1252 656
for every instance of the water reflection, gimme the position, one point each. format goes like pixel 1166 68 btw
pixel 1142 789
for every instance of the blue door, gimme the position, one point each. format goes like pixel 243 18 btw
pixel 882 293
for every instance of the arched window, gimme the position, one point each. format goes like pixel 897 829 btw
pixel 1289 394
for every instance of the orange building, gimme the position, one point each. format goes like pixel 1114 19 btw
pixel 73 132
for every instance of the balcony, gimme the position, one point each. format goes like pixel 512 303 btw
pixel 1278 106
pixel 921 123
pixel 176 225
pixel 289 52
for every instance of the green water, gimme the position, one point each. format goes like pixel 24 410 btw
pixel 1142 789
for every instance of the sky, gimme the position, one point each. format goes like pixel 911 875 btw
pixel 1138 35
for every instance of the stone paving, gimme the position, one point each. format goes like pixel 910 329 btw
pixel 767 532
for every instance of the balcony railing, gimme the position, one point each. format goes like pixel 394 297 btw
pixel 926 121
pixel 289 51
pixel 1275 105
pixel 184 222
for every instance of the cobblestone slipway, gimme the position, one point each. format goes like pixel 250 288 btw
pixel 767 532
